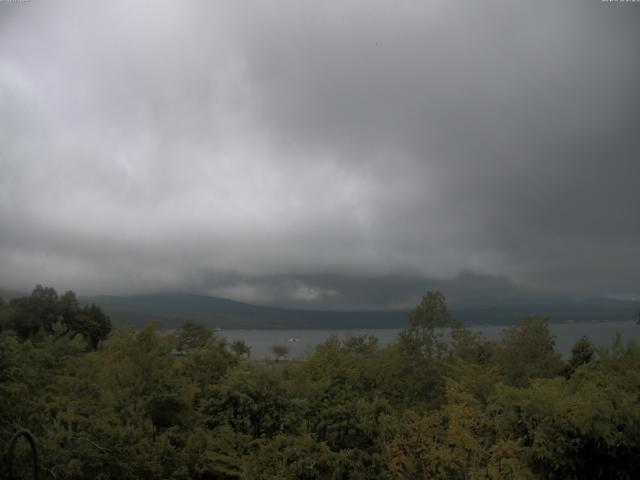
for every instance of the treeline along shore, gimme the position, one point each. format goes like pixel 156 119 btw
pixel 139 403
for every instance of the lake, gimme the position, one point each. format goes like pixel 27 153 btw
pixel 302 341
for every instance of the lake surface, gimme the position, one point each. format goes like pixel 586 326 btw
pixel 300 342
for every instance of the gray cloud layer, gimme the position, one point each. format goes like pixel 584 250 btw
pixel 346 154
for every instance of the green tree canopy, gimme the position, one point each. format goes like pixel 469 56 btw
pixel 193 335
pixel 280 351
pixel 528 351
pixel 240 348
pixel 582 353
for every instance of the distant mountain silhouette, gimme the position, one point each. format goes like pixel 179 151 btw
pixel 170 310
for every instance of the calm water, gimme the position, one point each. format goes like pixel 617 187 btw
pixel 302 341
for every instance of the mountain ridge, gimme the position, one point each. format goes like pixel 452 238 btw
pixel 171 310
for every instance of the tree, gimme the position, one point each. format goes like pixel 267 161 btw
pixel 254 400
pixel 93 324
pixel 4 315
pixel 528 351
pixel 587 426
pixel 459 441
pixel 69 309
pixel 292 456
pixel 41 310
pixel 431 312
pixel 209 363
pixel 362 344
pixel 193 335
pixel 38 311
pixel 280 351
pixel 240 348
pixel 471 347
pixel 44 302
pixel 422 337
pixel 582 352
pixel 416 364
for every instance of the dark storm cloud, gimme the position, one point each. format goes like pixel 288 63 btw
pixel 341 155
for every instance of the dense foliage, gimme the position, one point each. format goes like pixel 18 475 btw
pixel 439 403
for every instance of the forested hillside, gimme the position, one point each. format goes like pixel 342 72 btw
pixel 143 404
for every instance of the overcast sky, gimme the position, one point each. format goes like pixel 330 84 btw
pixel 347 154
